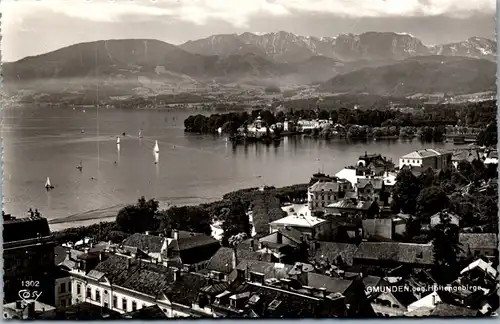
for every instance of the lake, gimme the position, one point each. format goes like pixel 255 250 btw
pixel 191 169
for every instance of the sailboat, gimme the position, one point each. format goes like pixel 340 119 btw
pixel 48 186
pixel 80 166
pixel 157 157
pixel 118 140
pixel 140 133
pixel 156 149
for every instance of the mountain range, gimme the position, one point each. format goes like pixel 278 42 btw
pixel 369 62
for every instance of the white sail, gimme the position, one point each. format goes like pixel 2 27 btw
pixel 118 140
pixel 157 157
pixel 47 183
pixel 157 148
pixel 140 133
pixel 118 147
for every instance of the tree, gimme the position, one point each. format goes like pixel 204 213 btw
pixel 235 220
pixel 466 169
pixel 426 178
pixel 446 248
pixel 138 218
pixel 405 192
pixel 488 136
pixel 431 201
pixel 186 218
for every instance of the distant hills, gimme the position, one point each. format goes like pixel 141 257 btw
pixel 379 63
pixel 426 74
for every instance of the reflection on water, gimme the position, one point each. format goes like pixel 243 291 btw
pixel 48 142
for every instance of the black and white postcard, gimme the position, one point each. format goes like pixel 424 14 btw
pixel 249 159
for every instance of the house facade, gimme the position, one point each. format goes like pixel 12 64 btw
pixel 323 193
pixel 427 158
pixel 311 227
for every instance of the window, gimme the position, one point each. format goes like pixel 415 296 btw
pixel 115 302
pixel 124 304
pixel 78 289
pixel 89 293
pixel 63 302
pixel 98 295
pixel 134 306
pixel 69 287
pixel 62 288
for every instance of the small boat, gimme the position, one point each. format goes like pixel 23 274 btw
pixel 84 110
pixel 83 131
pixel 140 133
pixel 118 140
pixel 48 185
pixel 156 148
pixel 80 167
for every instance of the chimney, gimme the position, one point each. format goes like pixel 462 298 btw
pixel 234 258
pixel 68 254
pixel 322 292
pixel 279 237
pixel 252 245
pixel 177 274
pixel 129 263
pixel 101 256
pixel 240 273
pixel 175 234
pixel 31 309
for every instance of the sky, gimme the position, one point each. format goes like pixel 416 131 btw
pixel 31 27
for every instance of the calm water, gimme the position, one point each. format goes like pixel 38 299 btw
pixel 47 142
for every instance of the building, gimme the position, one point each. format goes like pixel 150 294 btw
pixel 311 227
pixel 324 193
pixel 126 284
pixel 353 207
pixel 65 259
pixel 394 254
pixel 436 218
pixel 465 155
pixel 427 158
pixel 371 189
pixel 479 244
pixel 28 254
pixel 491 158
pixel 332 252
pixel 373 165
pixel 25 309
pixel 182 249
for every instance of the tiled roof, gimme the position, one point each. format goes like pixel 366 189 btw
pixel 324 186
pixel 59 254
pixel 377 183
pixel 298 220
pixel 222 260
pixel 331 250
pixel 331 284
pixel 349 204
pixel 186 288
pixel 394 251
pixel 478 240
pixel 143 277
pixel 150 243
pixel 25 228
pixel 424 153
pixel 150 312
pixel 447 310
pixel 189 240
pixel 291 306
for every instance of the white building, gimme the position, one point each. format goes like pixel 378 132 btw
pixel 125 284
pixel 312 227
pixel 324 193
pixel 428 158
